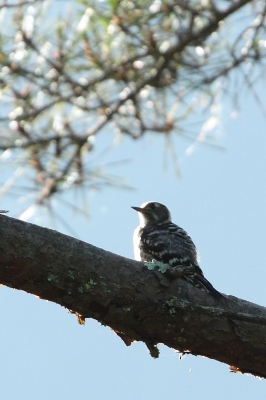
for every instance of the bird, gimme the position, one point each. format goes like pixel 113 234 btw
pixel 157 238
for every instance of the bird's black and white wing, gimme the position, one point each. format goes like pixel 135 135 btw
pixel 167 243
pixel 172 245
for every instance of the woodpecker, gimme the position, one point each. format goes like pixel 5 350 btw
pixel 158 238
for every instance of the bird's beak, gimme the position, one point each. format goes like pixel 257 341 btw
pixel 138 209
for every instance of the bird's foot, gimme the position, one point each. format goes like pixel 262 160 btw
pixel 179 271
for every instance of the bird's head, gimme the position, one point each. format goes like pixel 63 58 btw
pixel 151 213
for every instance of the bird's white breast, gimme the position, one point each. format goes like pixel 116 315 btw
pixel 136 240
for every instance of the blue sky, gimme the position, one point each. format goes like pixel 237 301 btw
pixel 220 200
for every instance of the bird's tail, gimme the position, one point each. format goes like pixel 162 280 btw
pixel 200 282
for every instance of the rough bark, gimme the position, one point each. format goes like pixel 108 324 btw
pixel 137 303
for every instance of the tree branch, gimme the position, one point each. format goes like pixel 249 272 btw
pixel 136 303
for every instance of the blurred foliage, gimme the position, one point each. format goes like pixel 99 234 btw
pixel 70 69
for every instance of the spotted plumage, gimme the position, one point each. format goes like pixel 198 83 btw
pixel 157 238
